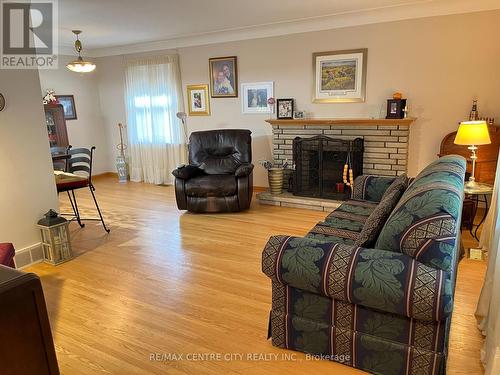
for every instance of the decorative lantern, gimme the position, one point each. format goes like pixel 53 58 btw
pixel 55 238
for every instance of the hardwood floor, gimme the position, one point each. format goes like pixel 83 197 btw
pixel 165 281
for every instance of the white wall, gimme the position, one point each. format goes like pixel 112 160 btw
pixel 88 129
pixel 27 188
pixel 439 64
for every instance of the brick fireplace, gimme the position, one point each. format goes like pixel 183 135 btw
pixel 385 149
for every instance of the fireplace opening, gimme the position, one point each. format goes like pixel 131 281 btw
pixel 319 166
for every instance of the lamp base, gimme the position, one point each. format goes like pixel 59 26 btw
pixel 471 183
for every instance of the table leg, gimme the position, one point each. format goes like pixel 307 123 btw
pixel 484 215
pixel 475 198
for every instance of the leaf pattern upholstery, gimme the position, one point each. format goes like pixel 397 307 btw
pixel 424 224
pixel 371 188
pixel 384 311
pixel 378 279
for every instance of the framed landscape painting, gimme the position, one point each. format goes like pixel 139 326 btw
pixel 255 95
pixel 340 76
pixel 223 77
pixel 68 103
pixel 198 102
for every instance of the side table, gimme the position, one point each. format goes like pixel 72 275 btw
pixel 478 193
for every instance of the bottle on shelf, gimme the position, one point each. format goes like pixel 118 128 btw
pixel 474 115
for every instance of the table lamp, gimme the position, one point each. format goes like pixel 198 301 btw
pixel 472 134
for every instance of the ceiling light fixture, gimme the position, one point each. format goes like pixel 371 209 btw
pixel 80 65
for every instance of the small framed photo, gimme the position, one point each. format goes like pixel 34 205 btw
pixel 285 108
pixel 255 95
pixel 68 103
pixel 223 77
pixel 198 102
pixel 395 108
pixel 299 114
pixel 340 76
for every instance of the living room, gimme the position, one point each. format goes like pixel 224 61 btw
pixel 221 157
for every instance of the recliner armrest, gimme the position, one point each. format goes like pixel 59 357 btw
pixel 378 279
pixel 244 170
pixel 185 172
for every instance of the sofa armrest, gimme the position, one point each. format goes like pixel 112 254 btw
pixel 244 170
pixel 371 188
pixel 378 279
pixel 185 172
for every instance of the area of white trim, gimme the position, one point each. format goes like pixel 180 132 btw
pixel 406 11
pixel 33 259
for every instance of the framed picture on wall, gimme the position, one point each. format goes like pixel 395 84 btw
pixel 255 95
pixel 223 77
pixel 198 101
pixel 284 108
pixel 68 103
pixel 340 76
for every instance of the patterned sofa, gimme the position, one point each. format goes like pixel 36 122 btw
pixel 384 305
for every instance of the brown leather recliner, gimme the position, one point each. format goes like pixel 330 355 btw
pixel 219 177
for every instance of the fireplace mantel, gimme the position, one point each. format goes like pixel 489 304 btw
pixel 342 121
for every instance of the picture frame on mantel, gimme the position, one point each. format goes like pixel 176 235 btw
pixel 340 76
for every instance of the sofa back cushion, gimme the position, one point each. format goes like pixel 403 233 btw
pixel 373 225
pixel 371 188
pixel 220 151
pixel 425 222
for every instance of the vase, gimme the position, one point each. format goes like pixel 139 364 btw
pixel 122 168
pixel 275 176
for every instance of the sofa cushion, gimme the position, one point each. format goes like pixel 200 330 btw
pixel 371 188
pixel 423 224
pixel 400 184
pixel 211 186
pixel 378 279
pixel 344 224
pixel 373 225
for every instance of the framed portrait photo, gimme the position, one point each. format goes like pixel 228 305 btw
pixel 223 77
pixel 395 108
pixel 198 101
pixel 254 97
pixel 340 76
pixel 284 108
pixel 68 103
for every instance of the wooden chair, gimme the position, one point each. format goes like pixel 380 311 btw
pixel 80 161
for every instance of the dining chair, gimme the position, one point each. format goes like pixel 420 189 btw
pixel 80 160
pixel 59 157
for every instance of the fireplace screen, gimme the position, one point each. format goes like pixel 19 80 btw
pixel 319 166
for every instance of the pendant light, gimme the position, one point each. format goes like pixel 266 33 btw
pixel 80 65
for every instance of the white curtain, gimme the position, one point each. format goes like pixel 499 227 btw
pixel 488 308
pixel 157 143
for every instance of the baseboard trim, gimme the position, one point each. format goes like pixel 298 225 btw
pixel 259 189
pixel 105 174
pixel 28 256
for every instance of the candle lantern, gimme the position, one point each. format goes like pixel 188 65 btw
pixel 55 238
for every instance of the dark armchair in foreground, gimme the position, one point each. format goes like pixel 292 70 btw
pixel 219 175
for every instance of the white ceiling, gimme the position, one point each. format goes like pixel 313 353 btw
pixel 124 26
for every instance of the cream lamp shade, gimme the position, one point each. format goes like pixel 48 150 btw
pixel 472 133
